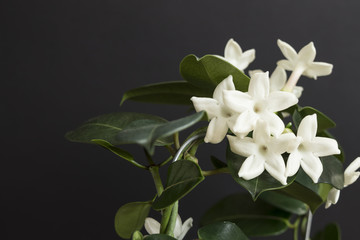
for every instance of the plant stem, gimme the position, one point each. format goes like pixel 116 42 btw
pixel 171 225
pixel 157 180
pixel 148 157
pixel 176 141
pixel 215 171
pixel 308 226
pixel 165 218
pixel 296 229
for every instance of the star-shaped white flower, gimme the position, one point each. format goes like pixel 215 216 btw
pixel 153 227
pixel 278 79
pixel 221 117
pixel 236 56
pixel 263 152
pixel 258 103
pixel 310 149
pixel 301 63
pixel 350 176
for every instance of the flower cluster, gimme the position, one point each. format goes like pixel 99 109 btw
pixel 253 117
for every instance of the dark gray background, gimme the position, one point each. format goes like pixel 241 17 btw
pixel 63 62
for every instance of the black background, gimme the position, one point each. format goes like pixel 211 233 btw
pixel 63 62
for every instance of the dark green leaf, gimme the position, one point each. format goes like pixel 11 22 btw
pixel 284 202
pixel 149 136
pixel 221 231
pixel 254 218
pixel 331 232
pixel 324 122
pixel 106 127
pixel 130 218
pixel 183 176
pixel 333 172
pixel 119 152
pixel 256 186
pixel 217 163
pixel 137 235
pixel 159 237
pixel 208 71
pixel 166 93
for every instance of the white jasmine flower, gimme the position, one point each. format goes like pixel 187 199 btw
pixel 153 227
pixel 221 117
pixel 301 63
pixel 350 176
pixel 258 103
pixel 278 79
pixel 236 56
pixel 310 149
pixel 263 152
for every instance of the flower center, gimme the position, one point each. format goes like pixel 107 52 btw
pixel 258 107
pixel 263 149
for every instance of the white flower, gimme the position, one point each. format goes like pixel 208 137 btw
pixel 310 149
pixel 263 152
pixel 258 103
pixel 221 117
pixel 350 176
pixel 278 79
pixel 236 56
pixel 301 63
pixel 153 227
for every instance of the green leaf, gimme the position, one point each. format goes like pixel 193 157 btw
pixel 137 235
pixel 151 135
pixel 183 176
pixel 324 122
pixel 131 217
pixel 256 186
pixel 117 151
pixel 333 172
pixel 208 71
pixel 217 163
pixel 177 92
pixel 284 202
pixel 107 127
pixel 254 218
pixel 159 237
pixel 330 232
pixel 221 231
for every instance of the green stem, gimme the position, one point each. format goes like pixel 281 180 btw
pixel 165 218
pixel 296 229
pixel 148 157
pixel 176 140
pixel 215 171
pixel 157 180
pixel 171 225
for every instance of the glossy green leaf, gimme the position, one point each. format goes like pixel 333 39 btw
pixel 256 186
pixel 176 92
pixel 333 172
pixel 217 163
pixel 221 231
pixel 324 122
pixel 149 136
pixel 254 218
pixel 137 235
pixel 159 237
pixel 284 202
pixel 330 232
pixel 130 218
pixel 183 176
pixel 207 72
pixel 117 151
pixel 107 127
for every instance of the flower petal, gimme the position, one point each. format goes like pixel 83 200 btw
pixel 350 174
pixel 293 163
pixel 286 142
pixel 308 128
pixel 277 79
pixel 226 84
pixel 280 100
pixel 261 134
pixel 321 146
pixel 297 90
pixel 152 226
pixel 185 228
pixel 252 167
pixel 275 165
pixel 252 72
pixel 276 125
pixel 259 86
pixel 316 69
pixel 246 58
pixel 237 101
pixel 333 197
pixel 209 105
pixel 216 130
pixel 288 51
pixel 307 54
pixel 242 146
pixel 178 227
pixel 286 64
pixel 232 50
pixel 311 165
pixel 245 123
